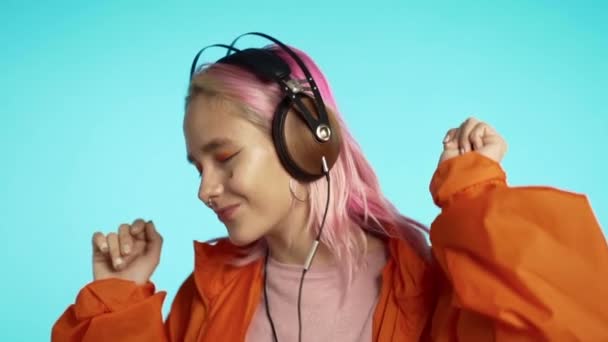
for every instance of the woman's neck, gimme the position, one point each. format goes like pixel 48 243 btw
pixel 292 242
pixel 295 248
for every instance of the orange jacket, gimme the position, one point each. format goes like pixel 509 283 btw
pixel 515 264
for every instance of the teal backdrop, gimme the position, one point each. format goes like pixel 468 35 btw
pixel 91 107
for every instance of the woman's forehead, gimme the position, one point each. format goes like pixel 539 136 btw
pixel 211 119
pixel 207 113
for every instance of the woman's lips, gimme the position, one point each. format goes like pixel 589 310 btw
pixel 227 213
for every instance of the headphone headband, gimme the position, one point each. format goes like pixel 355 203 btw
pixel 198 54
pixel 296 58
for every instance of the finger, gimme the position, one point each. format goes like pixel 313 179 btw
pixel 99 243
pixel 492 138
pixel 477 134
pixel 138 229
pixel 154 239
pixel 113 244
pixel 449 136
pixel 465 130
pixel 125 239
pixel 450 141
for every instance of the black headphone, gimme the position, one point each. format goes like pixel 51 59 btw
pixel 308 144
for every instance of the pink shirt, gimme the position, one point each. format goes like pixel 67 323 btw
pixel 328 313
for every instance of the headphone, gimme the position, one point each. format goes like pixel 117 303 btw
pixel 305 134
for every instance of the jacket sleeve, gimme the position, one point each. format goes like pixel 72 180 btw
pixel 518 263
pixel 120 310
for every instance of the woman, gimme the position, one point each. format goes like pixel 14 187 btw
pixel 506 264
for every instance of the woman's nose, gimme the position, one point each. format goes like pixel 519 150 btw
pixel 211 186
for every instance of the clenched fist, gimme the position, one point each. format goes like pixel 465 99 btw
pixel 130 254
pixel 473 135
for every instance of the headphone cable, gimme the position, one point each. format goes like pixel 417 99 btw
pixel 309 259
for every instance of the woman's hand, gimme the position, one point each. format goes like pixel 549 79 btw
pixel 131 254
pixel 473 135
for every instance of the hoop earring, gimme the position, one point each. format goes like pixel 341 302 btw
pixel 293 193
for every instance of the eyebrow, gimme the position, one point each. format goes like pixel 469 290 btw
pixel 211 146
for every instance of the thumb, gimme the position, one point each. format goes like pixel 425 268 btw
pixel 450 142
pixel 153 238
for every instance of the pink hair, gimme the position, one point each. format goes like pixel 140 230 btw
pixel 356 203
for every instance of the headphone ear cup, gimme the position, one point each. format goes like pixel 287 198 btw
pixel 299 151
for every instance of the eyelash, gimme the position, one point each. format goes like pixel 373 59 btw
pixel 222 159
pixel 225 157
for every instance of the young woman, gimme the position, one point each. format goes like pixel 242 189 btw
pixel 315 252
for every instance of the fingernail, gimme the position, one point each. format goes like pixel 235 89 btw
pixel 462 150
pixel 446 139
pixel 104 247
pixel 118 262
pixel 127 249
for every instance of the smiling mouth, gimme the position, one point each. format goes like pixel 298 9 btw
pixel 227 213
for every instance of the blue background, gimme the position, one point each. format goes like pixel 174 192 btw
pixel 91 111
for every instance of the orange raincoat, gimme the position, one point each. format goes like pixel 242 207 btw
pixel 512 264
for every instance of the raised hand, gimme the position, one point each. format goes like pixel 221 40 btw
pixel 473 135
pixel 130 254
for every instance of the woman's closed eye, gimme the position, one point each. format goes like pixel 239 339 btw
pixel 225 156
pixel 221 158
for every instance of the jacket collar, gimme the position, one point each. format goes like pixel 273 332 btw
pixel 412 274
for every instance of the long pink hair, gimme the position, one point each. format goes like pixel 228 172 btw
pixel 356 203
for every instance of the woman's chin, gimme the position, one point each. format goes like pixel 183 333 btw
pixel 241 238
